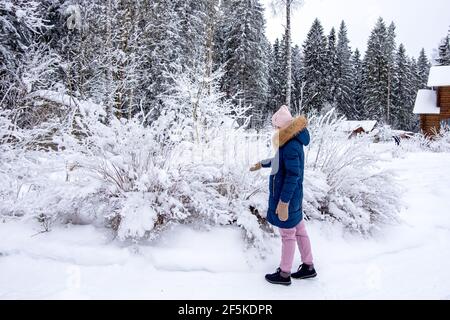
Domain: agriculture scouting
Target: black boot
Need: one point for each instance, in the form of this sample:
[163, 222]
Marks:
[279, 277]
[305, 272]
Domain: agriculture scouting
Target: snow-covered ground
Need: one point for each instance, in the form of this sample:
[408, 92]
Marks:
[407, 261]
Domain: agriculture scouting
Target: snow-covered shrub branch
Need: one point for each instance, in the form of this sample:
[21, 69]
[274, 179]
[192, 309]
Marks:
[8, 130]
[25, 62]
[440, 142]
[356, 193]
[197, 107]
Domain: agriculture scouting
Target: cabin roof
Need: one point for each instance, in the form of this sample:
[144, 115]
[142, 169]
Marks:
[439, 76]
[426, 103]
[350, 125]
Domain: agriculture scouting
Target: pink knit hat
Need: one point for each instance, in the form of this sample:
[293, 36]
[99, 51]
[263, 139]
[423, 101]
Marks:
[282, 118]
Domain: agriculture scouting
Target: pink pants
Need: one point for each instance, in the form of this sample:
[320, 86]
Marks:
[289, 237]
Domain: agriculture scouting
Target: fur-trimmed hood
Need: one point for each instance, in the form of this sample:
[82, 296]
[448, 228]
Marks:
[284, 135]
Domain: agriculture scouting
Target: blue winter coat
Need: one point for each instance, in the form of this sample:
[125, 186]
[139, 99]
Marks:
[286, 179]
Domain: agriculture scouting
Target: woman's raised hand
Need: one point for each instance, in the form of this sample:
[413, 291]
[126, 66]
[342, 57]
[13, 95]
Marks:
[256, 167]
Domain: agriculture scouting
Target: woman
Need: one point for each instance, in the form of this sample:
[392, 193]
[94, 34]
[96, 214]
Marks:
[286, 195]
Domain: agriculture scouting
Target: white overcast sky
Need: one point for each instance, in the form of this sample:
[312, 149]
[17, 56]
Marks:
[420, 23]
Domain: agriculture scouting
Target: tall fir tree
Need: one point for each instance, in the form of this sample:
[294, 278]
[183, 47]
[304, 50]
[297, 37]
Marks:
[283, 63]
[444, 52]
[315, 68]
[193, 20]
[377, 75]
[297, 79]
[332, 61]
[345, 76]
[246, 70]
[423, 69]
[287, 6]
[402, 90]
[219, 57]
[128, 50]
[277, 77]
[416, 83]
[163, 56]
[357, 96]
[389, 48]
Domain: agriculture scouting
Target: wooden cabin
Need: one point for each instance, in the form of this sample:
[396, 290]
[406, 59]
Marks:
[355, 128]
[433, 105]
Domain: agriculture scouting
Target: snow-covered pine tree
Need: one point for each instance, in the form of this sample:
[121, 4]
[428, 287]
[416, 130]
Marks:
[219, 36]
[246, 70]
[444, 52]
[198, 21]
[423, 69]
[402, 90]
[129, 61]
[390, 55]
[277, 78]
[163, 55]
[357, 93]
[297, 79]
[377, 73]
[315, 68]
[332, 68]
[287, 6]
[90, 54]
[345, 75]
[192, 25]
[416, 85]
[283, 62]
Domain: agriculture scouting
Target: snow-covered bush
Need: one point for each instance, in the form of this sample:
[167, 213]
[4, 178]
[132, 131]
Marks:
[38, 188]
[419, 142]
[159, 172]
[36, 183]
[154, 186]
[123, 175]
[441, 143]
[7, 131]
[343, 181]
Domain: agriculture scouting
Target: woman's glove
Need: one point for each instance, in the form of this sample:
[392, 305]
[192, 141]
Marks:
[256, 167]
[283, 211]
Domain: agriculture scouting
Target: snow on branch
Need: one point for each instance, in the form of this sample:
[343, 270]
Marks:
[74, 17]
[85, 107]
